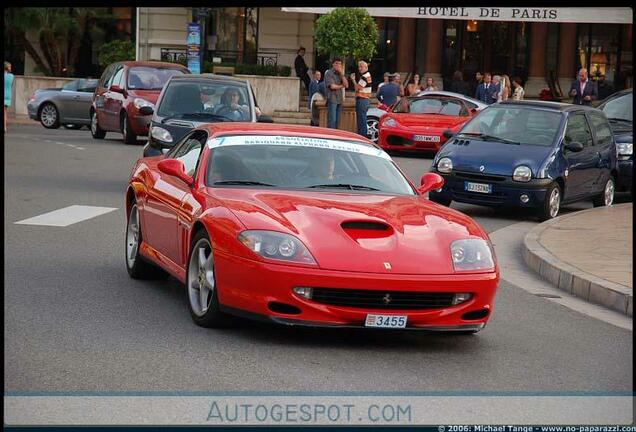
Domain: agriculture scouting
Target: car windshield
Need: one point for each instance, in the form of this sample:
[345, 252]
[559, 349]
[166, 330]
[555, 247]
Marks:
[150, 78]
[208, 100]
[507, 125]
[428, 105]
[293, 162]
[619, 108]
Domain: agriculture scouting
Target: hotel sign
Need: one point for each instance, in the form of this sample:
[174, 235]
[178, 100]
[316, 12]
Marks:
[608, 15]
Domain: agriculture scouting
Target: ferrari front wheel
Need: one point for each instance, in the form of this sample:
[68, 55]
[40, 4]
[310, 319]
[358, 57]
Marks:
[201, 284]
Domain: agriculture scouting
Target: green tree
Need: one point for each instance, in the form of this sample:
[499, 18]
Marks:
[347, 32]
[57, 32]
[117, 50]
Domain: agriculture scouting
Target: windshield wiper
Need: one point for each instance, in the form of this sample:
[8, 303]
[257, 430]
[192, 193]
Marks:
[343, 186]
[490, 137]
[242, 182]
[615, 119]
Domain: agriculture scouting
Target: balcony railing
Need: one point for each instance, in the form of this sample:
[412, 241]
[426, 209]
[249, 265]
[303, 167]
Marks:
[174, 55]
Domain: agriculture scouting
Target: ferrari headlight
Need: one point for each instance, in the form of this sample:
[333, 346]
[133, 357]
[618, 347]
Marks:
[389, 122]
[139, 102]
[522, 174]
[277, 246]
[471, 254]
[624, 150]
[160, 134]
[445, 165]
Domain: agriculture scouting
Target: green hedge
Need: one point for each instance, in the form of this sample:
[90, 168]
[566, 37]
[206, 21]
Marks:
[251, 69]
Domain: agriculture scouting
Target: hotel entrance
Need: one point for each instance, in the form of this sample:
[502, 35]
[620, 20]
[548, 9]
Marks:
[485, 46]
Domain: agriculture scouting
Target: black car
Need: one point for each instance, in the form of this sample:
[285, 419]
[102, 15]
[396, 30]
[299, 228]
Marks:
[188, 101]
[619, 110]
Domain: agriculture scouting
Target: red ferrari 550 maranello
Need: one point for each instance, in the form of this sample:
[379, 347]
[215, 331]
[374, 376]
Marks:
[305, 226]
[419, 122]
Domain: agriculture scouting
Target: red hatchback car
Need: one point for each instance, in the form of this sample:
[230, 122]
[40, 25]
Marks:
[125, 88]
[418, 123]
[305, 226]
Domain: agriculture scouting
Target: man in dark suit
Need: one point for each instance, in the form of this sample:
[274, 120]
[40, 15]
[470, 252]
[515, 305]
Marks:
[583, 91]
[301, 67]
[486, 90]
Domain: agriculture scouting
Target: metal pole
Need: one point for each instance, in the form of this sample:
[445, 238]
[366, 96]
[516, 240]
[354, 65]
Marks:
[137, 24]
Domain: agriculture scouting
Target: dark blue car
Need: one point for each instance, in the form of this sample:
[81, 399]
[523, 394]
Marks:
[530, 154]
[619, 111]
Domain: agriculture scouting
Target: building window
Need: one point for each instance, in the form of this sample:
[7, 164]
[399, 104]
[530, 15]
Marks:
[599, 51]
[232, 34]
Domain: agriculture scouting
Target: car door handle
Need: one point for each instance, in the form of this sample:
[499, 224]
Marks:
[76, 97]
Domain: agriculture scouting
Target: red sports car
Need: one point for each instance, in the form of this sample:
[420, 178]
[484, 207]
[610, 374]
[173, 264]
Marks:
[305, 226]
[419, 122]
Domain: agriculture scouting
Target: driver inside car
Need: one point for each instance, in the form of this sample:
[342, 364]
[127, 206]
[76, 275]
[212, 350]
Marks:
[231, 108]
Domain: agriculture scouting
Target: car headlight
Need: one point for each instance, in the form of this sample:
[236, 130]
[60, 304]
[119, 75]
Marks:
[389, 122]
[139, 102]
[471, 254]
[445, 165]
[624, 150]
[522, 174]
[160, 134]
[276, 246]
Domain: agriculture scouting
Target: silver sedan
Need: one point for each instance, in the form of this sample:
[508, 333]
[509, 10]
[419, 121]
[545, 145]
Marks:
[68, 106]
[375, 114]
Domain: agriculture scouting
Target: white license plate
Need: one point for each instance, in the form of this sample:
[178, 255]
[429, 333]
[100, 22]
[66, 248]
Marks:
[478, 187]
[426, 138]
[386, 321]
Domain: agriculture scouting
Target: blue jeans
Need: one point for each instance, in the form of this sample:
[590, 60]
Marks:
[333, 115]
[362, 106]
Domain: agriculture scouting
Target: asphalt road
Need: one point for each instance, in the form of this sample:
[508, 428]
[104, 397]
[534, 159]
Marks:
[75, 321]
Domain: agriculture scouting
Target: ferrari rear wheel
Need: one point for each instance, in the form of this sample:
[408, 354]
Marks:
[201, 284]
[137, 267]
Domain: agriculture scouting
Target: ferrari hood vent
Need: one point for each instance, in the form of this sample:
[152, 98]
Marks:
[365, 225]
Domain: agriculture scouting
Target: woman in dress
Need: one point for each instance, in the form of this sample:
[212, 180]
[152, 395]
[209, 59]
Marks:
[413, 87]
[430, 85]
[518, 89]
[505, 88]
[8, 83]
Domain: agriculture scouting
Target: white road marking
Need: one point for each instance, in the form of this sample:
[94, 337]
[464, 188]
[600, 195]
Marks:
[67, 216]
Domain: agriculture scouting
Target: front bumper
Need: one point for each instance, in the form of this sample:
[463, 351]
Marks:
[505, 191]
[246, 288]
[625, 174]
[402, 139]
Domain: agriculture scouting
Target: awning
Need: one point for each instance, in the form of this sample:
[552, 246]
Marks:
[618, 15]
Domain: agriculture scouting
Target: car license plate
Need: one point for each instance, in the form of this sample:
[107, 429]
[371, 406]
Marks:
[386, 321]
[478, 187]
[426, 138]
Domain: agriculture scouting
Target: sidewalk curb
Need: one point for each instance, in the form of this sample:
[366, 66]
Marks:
[571, 279]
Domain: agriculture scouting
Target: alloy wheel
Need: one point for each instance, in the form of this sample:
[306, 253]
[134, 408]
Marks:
[609, 192]
[372, 130]
[94, 123]
[132, 236]
[555, 202]
[201, 283]
[48, 115]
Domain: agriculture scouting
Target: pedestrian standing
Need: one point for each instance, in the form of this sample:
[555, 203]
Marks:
[413, 86]
[458, 85]
[583, 91]
[479, 80]
[335, 83]
[386, 80]
[313, 85]
[495, 94]
[8, 86]
[604, 88]
[398, 81]
[301, 67]
[505, 87]
[362, 85]
[518, 92]
[484, 91]
[389, 93]
[430, 85]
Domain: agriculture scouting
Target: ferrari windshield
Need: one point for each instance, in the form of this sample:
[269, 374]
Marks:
[431, 105]
[518, 125]
[292, 162]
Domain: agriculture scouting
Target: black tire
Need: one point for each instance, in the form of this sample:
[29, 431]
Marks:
[129, 136]
[49, 116]
[72, 126]
[137, 266]
[212, 317]
[442, 201]
[546, 211]
[602, 200]
[96, 131]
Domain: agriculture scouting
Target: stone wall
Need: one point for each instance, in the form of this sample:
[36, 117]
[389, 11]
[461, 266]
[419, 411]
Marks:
[24, 86]
[275, 93]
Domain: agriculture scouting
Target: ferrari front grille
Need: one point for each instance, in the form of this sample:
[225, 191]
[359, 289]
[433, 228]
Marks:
[380, 299]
